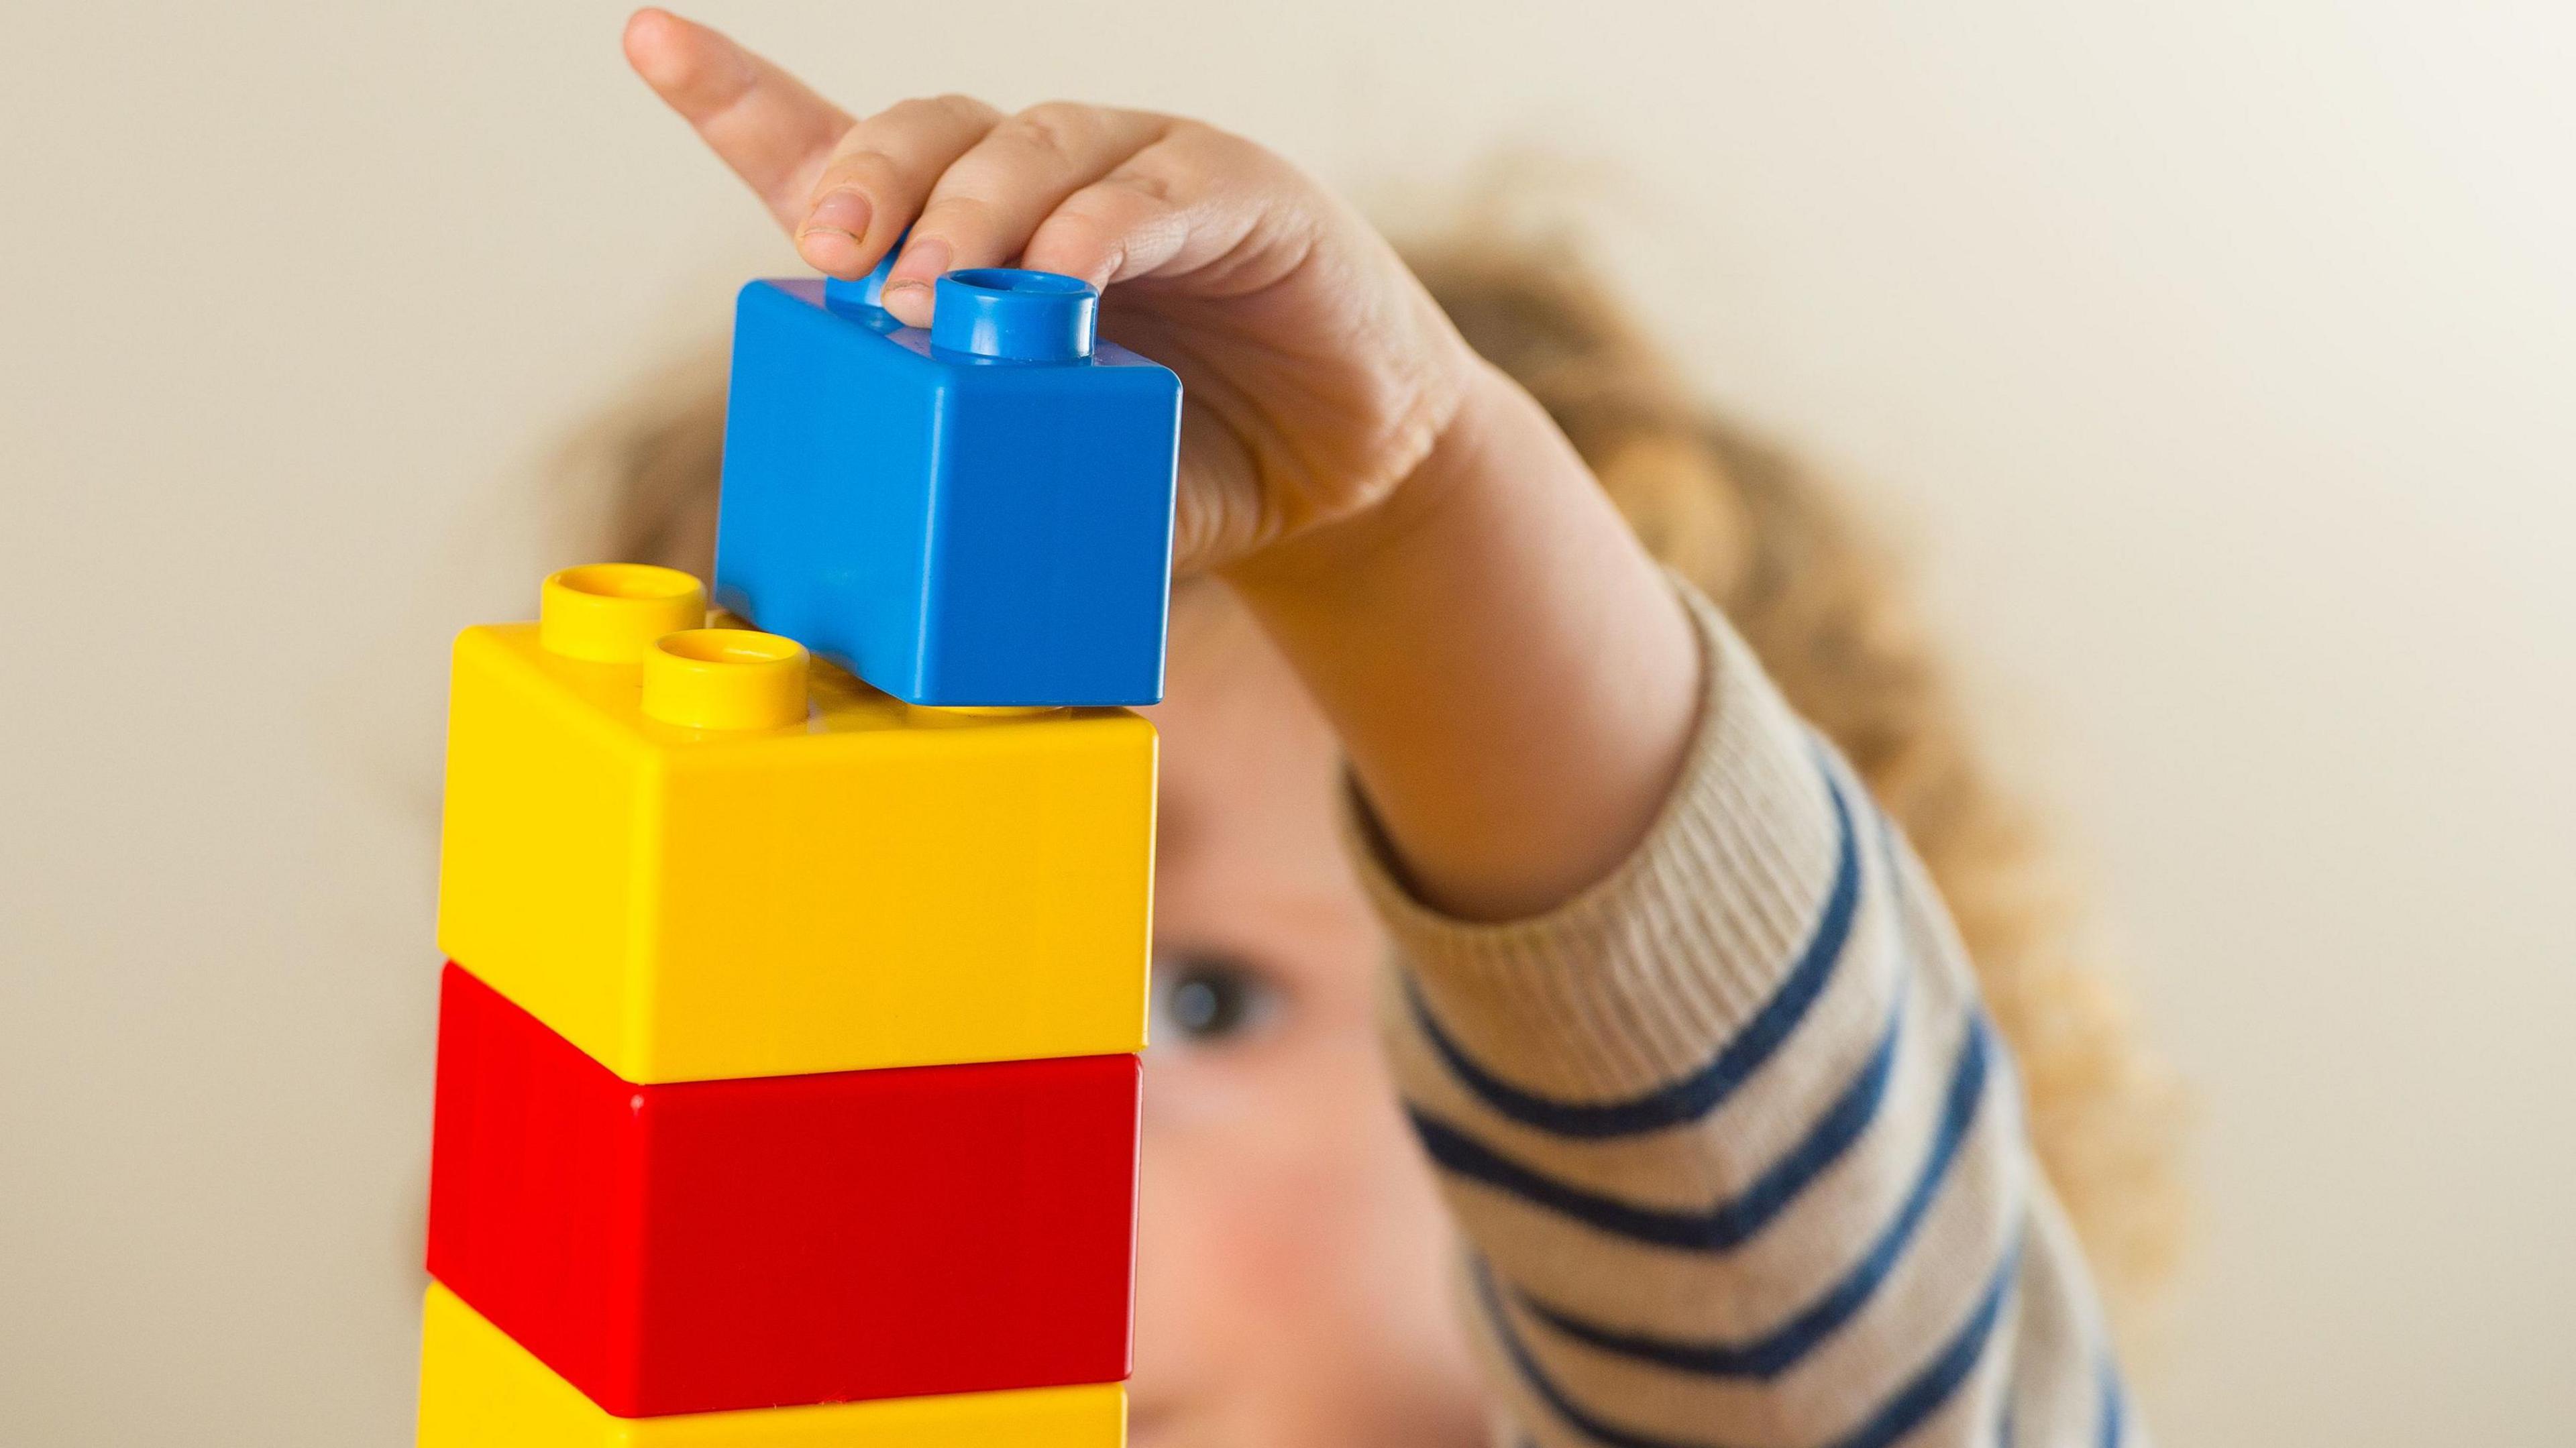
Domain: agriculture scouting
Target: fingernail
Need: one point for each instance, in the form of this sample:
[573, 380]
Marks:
[846, 212]
[922, 262]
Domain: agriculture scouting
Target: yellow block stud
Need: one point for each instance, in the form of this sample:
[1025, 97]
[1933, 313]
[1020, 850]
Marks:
[610, 613]
[478, 1389]
[716, 858]
[725, 678]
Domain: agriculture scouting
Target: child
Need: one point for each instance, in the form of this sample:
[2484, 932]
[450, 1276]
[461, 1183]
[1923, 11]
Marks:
[1726, 1150]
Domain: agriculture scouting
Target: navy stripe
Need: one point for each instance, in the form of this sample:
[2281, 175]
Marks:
[2115, 1408]
[1776, 1352]
[1729, 1223]
[1723, 1226]
[1941, 1377]
[1700, 1092]
[1917, 1399]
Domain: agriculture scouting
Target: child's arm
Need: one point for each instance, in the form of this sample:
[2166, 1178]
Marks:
[1737, 1158]
[1737, 1154]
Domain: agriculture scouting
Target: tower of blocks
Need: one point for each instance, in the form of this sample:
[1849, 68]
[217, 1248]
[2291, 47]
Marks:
[787, 1060]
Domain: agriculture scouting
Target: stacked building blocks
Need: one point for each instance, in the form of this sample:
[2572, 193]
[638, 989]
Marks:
[978, 514]
[870, 885]
[788, 1087]
[483, 1389]
[694, 1246]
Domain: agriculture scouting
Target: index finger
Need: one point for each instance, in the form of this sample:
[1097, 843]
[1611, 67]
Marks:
[762, 122]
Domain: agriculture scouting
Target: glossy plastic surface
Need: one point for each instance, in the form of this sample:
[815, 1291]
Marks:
[1020, 316]
[725, 678]
[478, 1389]
[612, 613]
[971, 517]
[871, 886]
[797, 1239]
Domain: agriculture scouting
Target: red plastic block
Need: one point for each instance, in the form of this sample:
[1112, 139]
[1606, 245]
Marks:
[711, 1245]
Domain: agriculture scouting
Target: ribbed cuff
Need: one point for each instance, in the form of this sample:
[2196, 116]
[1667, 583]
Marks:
[1623, 987]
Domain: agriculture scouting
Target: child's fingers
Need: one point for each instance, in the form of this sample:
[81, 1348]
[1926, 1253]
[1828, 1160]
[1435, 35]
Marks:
[757, 118]
[878, 177]
[984, 208]
[1122, 225]
[1187, 202]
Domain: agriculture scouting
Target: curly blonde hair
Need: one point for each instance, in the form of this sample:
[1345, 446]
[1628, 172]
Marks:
[1822, 605]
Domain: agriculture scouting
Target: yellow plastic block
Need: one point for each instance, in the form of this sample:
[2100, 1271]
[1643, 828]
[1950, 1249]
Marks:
[478, 1389]
[866, 884]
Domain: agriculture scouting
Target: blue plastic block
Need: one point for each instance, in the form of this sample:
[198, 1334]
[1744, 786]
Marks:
[976, 514]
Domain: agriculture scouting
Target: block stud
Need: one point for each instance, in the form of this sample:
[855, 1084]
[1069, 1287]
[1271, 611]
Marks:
[610, 613]
[725, 678]
[868, 291]
[1019, 316]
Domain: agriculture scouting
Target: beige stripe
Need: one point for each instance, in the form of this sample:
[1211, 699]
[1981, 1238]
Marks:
[1844, 1378]
[1751, 1291]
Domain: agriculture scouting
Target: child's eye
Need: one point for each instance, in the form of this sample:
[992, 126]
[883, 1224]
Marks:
[1207, 1001]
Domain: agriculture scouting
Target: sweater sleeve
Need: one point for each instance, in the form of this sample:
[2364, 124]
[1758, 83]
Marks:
[1738, 1160]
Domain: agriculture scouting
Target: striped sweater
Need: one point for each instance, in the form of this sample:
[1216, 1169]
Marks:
[1737, 1156]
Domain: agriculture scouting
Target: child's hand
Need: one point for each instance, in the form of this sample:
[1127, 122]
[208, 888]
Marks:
[1509, 674]
[1316, 372]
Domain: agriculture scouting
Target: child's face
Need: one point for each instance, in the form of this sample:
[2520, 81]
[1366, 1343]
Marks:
[1292, 1277]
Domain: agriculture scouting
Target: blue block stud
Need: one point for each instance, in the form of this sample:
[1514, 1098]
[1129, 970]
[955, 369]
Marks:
[977, 514]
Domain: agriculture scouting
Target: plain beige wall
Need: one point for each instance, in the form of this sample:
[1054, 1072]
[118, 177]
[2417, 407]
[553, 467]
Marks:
[2217, 354]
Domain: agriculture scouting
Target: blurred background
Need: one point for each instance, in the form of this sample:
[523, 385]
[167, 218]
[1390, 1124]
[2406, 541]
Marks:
[2214, 358]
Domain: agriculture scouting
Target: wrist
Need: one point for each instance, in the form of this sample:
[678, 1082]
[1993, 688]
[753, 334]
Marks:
[1512, 680]
[1422, 515]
